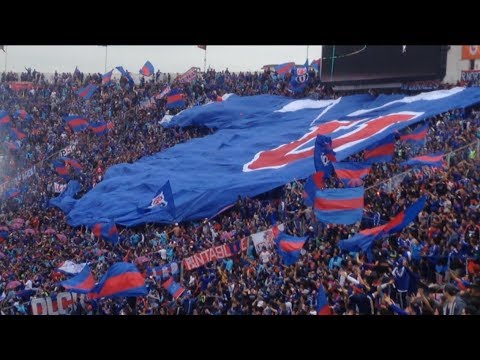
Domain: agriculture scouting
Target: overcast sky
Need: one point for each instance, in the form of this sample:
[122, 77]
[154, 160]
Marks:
[165, 58]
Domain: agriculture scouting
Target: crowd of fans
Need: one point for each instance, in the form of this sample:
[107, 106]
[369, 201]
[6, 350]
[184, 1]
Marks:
[440, 250]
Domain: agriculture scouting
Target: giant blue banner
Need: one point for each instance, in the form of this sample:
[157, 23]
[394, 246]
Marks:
[261, 142]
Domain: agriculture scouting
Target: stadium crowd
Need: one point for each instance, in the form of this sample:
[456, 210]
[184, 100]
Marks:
[431, 267]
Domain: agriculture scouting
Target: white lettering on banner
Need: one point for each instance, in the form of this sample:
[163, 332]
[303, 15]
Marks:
[58, 306]
[264, 238]
[215, 253]
[68, 150]
[189, 75]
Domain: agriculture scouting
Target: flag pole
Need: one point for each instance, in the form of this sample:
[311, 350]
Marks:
[106, 47]
[333, 60]
[307, 50]
[6, 55]
[205, 61]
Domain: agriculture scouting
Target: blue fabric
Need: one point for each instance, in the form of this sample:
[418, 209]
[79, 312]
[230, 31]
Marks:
[209, 173]
[65, 200]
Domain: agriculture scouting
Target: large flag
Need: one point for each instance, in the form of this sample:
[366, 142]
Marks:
[99, 128]
[405, 217]
[87, 91]
[22, 114]
[175, 99]
[289, 247]
[351, 173]
[322, 302]
[417, 136]
[71, 268]
[126, 74]
[434, 160]
[381, 151]
[122, 279]
[107, 231]
[324, 155]
[63, 164]
[76, 122]
[260, 143]
[164, 271]
[285, 68]
[147, 69]
[339, 206]
[173, 288]
[65, 201]
[5, 118]
[11, 193]
[314, 183]
[82, 283]
[362, 240]
[16, 134]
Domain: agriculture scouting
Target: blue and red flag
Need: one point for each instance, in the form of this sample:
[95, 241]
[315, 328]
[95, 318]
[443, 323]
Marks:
[175, 99]
[418, 136]
[433, 160]
[362, 240]
[122, 279]
[76, 122]
[147, 69]
[11, 145]
[380, 151]
[81, 283]
[126, 74]
[285, 68]
[62, 165]
[164, 271]
[351, 173]
[107, 77]
[4, 118]
[11, 193]
[324, 155]
[289, 247]
[339, 206]
[316, 64]
[22, 114]
[16, 134]
[322, 302]
[99, 128]
[405, 217]
[173, 288]
[87, 91]
[107, 231]
[314, 183]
